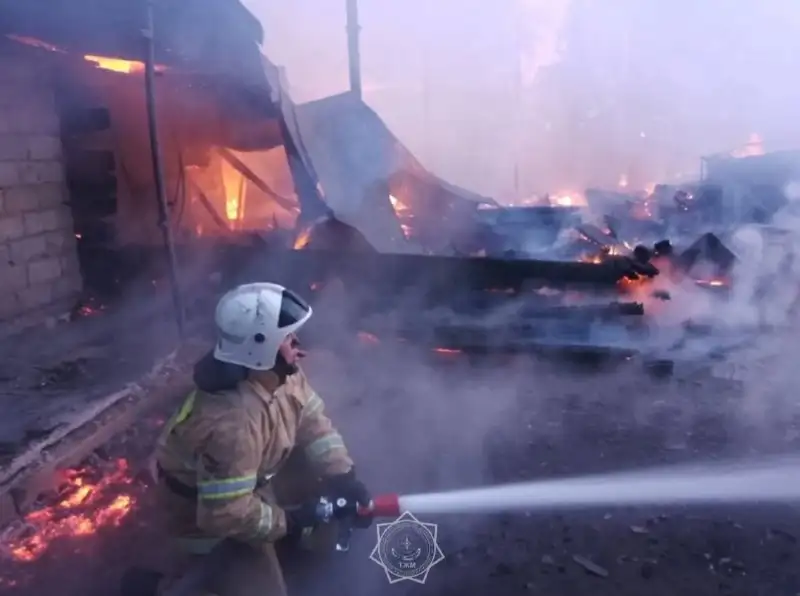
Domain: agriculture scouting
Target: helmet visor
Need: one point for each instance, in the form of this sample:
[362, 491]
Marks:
[293, 309]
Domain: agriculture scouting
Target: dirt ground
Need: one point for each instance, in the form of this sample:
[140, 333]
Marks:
[421, 422]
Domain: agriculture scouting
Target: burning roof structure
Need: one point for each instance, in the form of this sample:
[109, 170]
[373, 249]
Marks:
[222, 39]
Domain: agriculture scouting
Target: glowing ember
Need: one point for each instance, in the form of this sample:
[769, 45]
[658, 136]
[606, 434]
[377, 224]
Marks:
[626, 284]
[86, 507]
[88, 310]
[642, 209]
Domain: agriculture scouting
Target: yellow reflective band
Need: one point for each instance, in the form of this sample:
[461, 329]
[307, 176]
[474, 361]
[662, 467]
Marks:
[182, 414]
[314, 405]
[227, 488]
[186, 408]
[319, 448]
[265, 522]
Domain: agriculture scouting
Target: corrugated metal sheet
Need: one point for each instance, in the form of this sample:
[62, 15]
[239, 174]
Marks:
[355, 158]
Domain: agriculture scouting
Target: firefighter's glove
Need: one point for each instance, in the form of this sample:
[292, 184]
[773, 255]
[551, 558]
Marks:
[349, 487]
[301, 519]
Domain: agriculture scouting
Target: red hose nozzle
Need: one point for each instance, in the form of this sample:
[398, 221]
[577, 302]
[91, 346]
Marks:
[383, 506]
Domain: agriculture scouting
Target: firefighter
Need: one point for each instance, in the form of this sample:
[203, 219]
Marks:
[221, 455]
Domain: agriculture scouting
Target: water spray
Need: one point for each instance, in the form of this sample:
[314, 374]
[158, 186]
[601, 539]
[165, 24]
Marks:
[773, 480]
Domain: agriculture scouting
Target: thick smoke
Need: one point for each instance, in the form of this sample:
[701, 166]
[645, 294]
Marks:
[591, 91]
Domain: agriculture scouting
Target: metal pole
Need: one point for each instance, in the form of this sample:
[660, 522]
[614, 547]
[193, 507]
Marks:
[158, 172]
[353, 53]
[517, 109]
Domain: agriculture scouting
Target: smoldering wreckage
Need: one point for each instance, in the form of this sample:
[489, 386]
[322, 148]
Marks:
[322, 197]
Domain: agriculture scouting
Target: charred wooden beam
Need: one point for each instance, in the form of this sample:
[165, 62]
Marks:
[552, 327]
[285, 202]
[590, 311]
[596, 236]
[400, 273]
[522, 308]
[529, 335]
[209, 207]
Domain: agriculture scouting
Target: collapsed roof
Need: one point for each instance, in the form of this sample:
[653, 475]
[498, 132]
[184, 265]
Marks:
[360, 164]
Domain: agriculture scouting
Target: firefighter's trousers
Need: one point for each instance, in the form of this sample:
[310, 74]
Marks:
[236, 569]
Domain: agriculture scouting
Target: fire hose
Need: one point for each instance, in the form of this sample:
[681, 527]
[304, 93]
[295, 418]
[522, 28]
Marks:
[768, 480]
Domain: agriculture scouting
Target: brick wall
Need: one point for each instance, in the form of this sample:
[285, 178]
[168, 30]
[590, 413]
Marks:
[39, 273]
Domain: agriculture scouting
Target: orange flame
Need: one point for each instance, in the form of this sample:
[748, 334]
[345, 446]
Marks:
[303, 238]
[403, 213]
[567, 199]
[104, 62]
[234, 185]
[86, 508]
[120, 65]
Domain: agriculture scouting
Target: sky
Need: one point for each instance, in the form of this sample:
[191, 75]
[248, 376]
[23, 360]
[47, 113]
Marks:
[512, 98]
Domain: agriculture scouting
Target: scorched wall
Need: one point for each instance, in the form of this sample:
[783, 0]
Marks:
[39, 271]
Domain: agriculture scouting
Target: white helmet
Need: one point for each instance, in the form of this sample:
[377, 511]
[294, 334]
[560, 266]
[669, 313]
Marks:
[253, 320]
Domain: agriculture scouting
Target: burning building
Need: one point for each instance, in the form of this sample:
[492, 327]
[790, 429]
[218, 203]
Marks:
[79, 209]
[75, 169]
[239, 160]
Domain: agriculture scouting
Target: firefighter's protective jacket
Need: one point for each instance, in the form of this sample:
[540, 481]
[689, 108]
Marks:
[229, 443]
